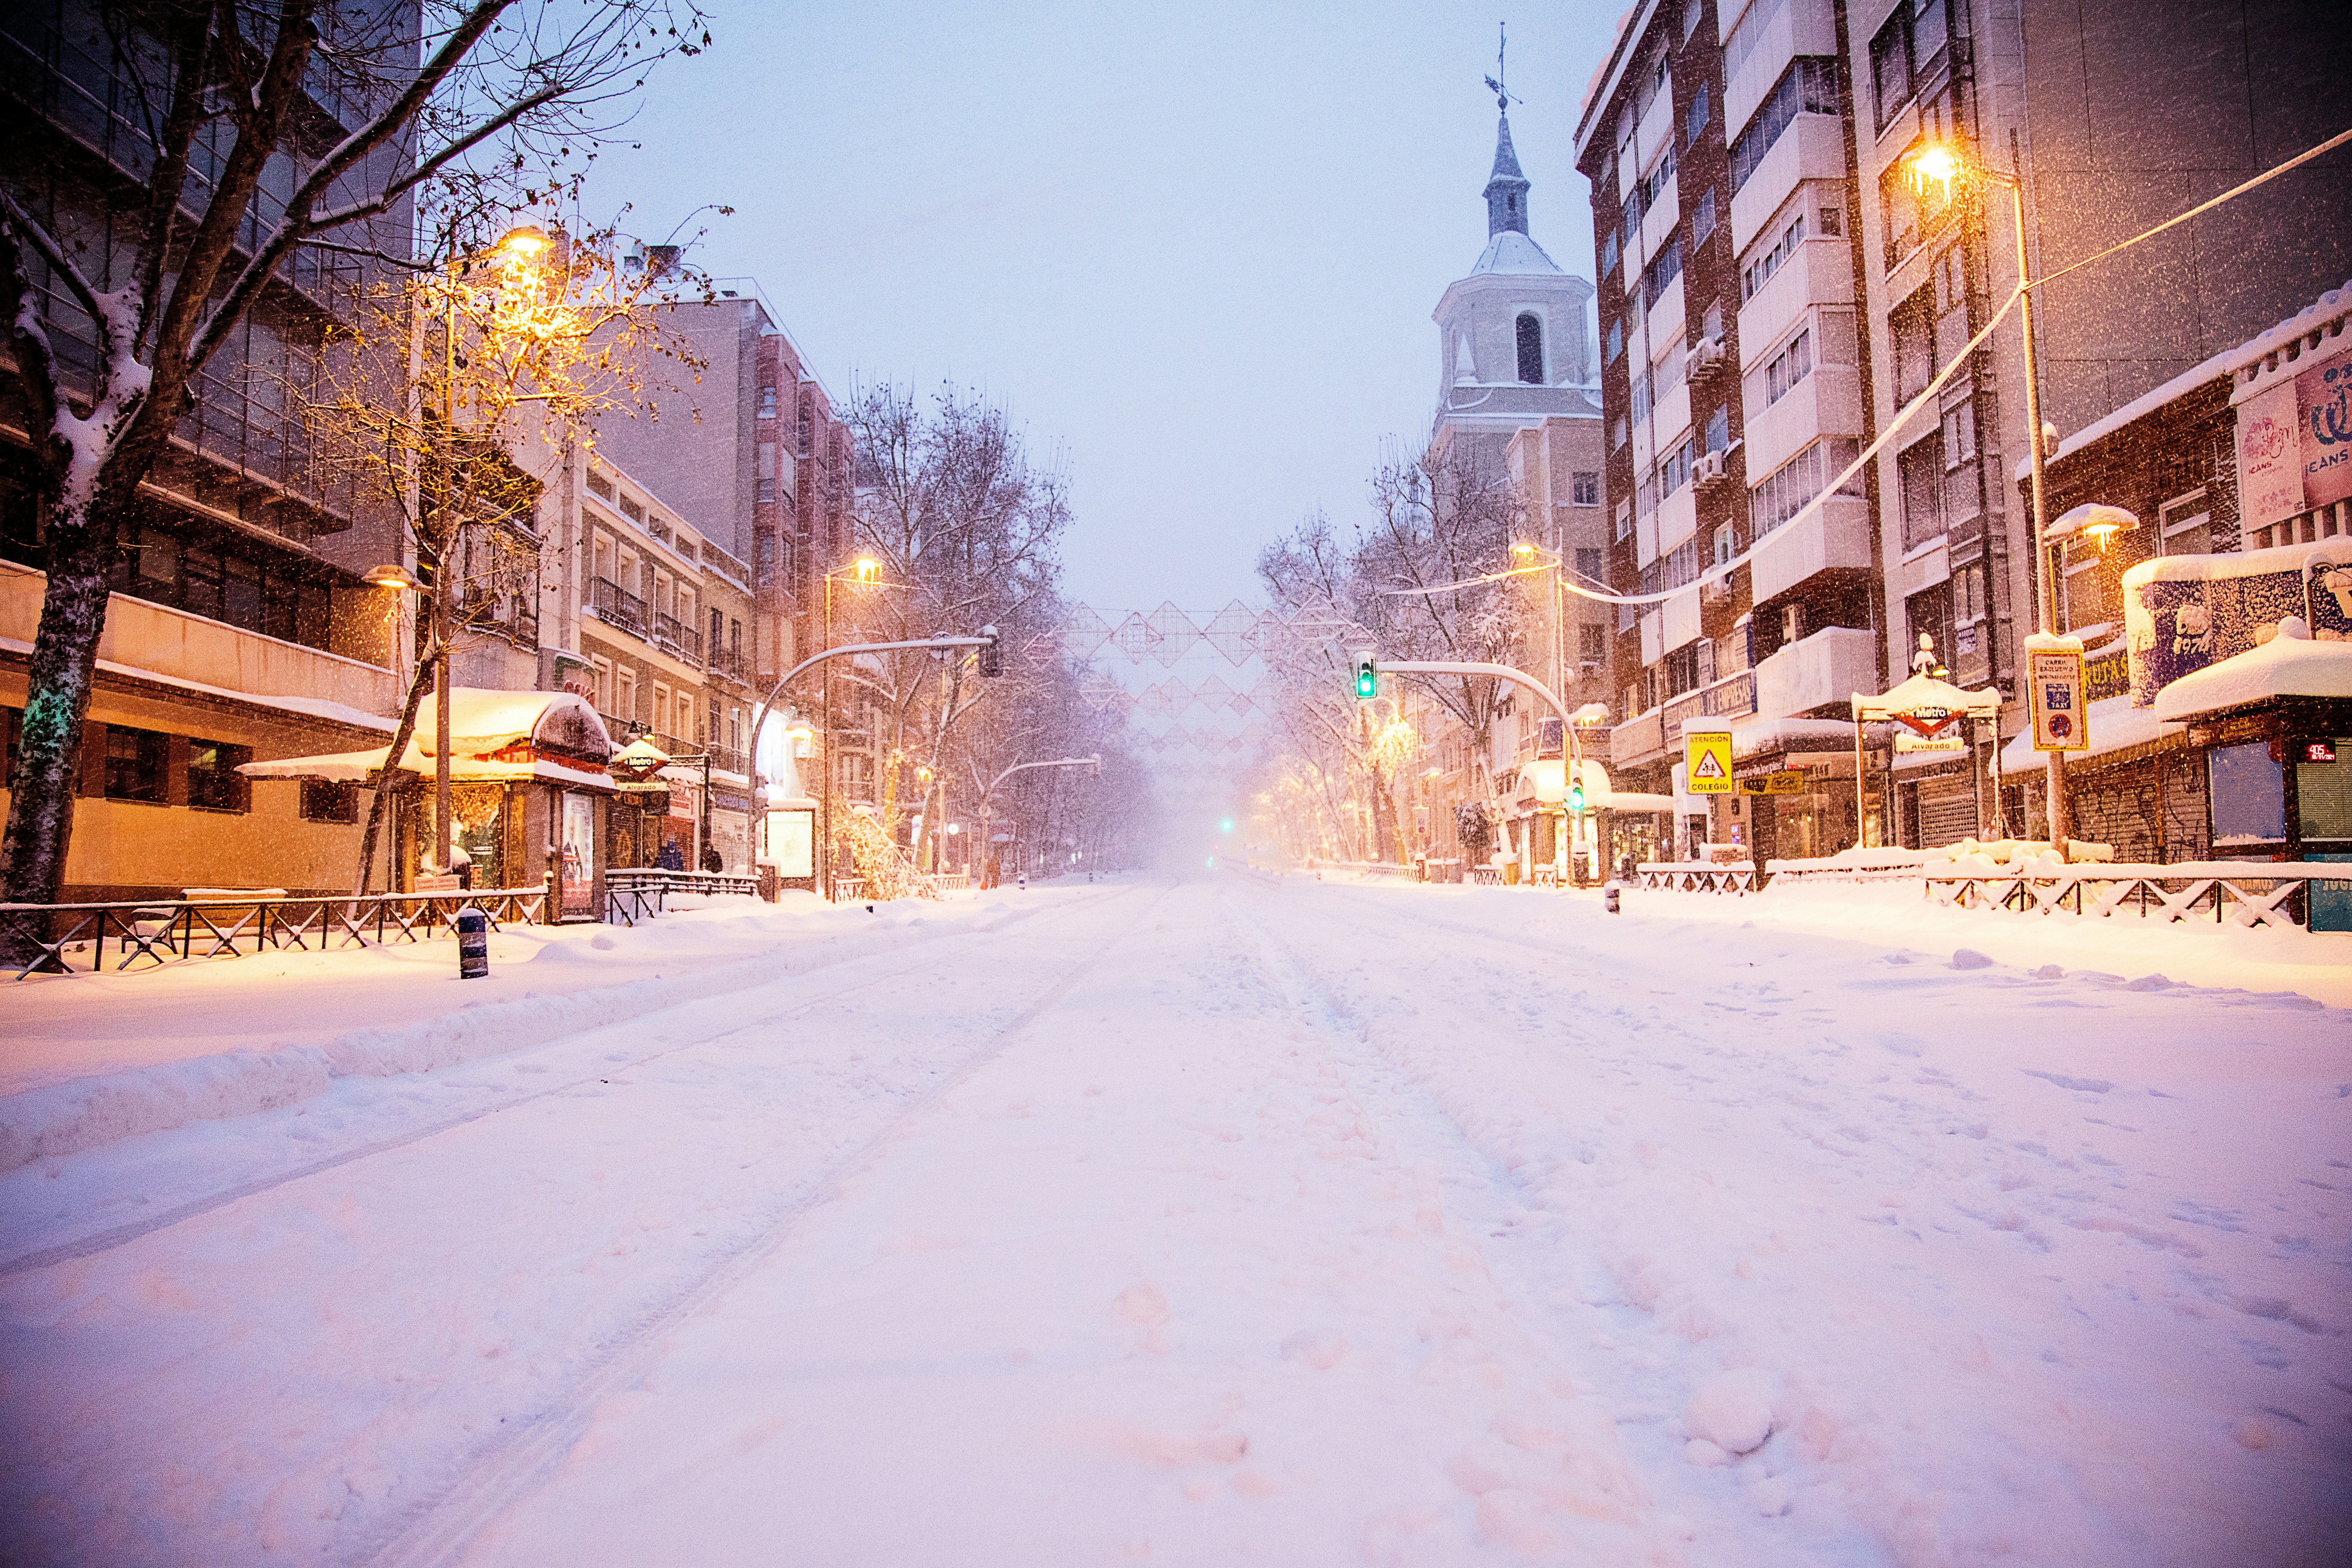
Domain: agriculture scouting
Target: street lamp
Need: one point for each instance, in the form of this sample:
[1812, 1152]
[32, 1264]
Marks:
[866, 572]
[1946, 167]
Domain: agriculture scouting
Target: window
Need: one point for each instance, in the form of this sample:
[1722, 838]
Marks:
[1609, 250]
[1625, 518]
[1530, 345]
[1788, 488]
[1681, 670]
[1788, 367]
[767, 403]
[1912, 325]
[1723, 545]
[1584, 489]
[1616, 432]
[1702, 221]
[767, 491]
[1718, 430]
[1808, 87]
[214, 783]
[717, 626]
[1664, 267]
[1748, 34]
[1675, 470]
[325, 802]
[1647, 189]
[634, 510]
[2249, 794]
[763, 548]
[1920, 470]
[1592, 644]
[1759, 272]
[134, 764]
[1960, 435]
[1616, 340]
[1694, 120]
[599, 486]
[1691, 15]
[1832, 221]
[2186, 524]
[1890, 65]
[1588, 564]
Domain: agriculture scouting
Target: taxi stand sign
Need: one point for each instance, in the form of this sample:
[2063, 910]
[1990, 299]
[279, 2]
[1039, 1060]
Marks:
[2054, 689]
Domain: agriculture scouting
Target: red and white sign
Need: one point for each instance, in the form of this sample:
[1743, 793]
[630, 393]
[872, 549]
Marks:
[2295, 445]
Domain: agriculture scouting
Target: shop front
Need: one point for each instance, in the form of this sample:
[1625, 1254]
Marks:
[530, 792]
[1794, 798]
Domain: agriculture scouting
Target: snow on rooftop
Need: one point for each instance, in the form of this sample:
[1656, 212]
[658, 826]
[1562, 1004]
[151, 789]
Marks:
[1790, 735]
[2292, 664]
[1511, 251]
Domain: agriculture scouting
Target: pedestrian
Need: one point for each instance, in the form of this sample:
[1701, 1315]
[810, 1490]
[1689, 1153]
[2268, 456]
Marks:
[671, 858]
[711, 860]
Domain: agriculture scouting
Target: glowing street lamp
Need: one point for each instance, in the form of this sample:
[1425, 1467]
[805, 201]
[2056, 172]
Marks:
[1948, 167]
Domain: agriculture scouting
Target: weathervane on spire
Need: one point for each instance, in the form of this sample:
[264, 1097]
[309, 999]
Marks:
[1503, 99]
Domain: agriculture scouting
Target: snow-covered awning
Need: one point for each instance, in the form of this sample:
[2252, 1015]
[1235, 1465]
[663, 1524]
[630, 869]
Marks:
[1600, 794]
[1927, 704]
[1767, 736]
[554, 737]
[2292, 664]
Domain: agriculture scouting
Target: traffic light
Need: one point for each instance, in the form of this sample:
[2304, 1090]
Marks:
[991, 653]
[1368, 681]
[1576, 798]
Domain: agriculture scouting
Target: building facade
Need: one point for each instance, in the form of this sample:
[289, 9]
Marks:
[1755, 165]
[241, 626]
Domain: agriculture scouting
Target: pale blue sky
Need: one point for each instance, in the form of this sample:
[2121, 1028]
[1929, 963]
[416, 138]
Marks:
[1196, 247]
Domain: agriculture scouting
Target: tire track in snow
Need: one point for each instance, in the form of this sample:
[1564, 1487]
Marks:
[444, 1525]
[123, 1234]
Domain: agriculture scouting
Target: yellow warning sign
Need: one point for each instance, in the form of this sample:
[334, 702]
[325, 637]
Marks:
[1708, 758]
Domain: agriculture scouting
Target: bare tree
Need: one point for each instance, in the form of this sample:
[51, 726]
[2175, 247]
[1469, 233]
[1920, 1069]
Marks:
[966, 528]
[520, 350]
[235, 176]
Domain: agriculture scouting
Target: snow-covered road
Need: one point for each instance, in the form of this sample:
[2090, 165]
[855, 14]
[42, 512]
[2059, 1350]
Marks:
[1238, 1222]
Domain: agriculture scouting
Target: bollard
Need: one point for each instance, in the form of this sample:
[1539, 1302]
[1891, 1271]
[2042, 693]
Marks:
[1610, 895]
[473, 943]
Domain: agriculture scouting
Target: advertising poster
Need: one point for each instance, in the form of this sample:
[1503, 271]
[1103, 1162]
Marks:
[792, 843]
[579, 856]
[2056, 678]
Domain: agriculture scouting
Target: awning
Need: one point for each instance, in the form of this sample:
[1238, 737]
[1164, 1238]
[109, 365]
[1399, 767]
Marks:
[554, 737]
[2291, 664]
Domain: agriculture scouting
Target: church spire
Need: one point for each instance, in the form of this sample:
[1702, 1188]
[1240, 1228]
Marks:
[1506, 187]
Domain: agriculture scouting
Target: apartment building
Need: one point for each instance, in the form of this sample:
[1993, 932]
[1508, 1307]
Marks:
[1852, 286]
[240, 628]
[756, 449]
[651, 621]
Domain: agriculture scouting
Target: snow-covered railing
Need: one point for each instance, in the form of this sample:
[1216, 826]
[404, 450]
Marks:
[82, 938]
[653, 877]
[2243, 893]
[949, 881]
[1698, 876]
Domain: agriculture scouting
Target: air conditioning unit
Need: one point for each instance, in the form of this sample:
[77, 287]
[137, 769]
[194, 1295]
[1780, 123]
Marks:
[1708, 467]
[1705, 358]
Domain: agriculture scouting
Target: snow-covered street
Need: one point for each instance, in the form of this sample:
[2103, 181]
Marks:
[1242, 1221]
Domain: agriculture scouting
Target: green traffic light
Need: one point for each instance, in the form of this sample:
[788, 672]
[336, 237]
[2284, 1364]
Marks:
[1227, 825]
[1368, 681]
[1576, 798]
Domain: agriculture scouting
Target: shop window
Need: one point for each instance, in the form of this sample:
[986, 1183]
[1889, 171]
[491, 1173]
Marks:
[134, 764]
[2249, 794]
[2323, 789]
[214, 783]
[326, 801]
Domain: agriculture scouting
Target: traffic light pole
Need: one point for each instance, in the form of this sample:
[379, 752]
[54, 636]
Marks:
[988, 795]
[986, 641]
[1499, 672]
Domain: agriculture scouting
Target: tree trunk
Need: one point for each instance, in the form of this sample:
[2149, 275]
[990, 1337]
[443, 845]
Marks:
[386, 785]
[58, 687]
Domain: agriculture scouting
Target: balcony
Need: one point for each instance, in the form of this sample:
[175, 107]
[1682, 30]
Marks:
[1812, 148]
[674, 636]
[1657, 127]
[1824, 669]
[732, 663]
[1801, 27]
[616, 606]
[1826, 403]
[1659, 219]
[1638, 740]
[1677, 518]
[1679, 625]
[1833, 536]
[1820, 273]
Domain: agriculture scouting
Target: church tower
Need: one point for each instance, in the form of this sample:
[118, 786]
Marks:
[1513, 348]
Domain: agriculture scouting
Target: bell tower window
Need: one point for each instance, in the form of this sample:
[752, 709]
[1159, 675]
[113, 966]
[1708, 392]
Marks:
[1531, 358]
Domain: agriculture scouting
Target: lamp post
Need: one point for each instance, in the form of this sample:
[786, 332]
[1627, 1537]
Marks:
[519, 249]
[864, 569]
[1937, 163]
